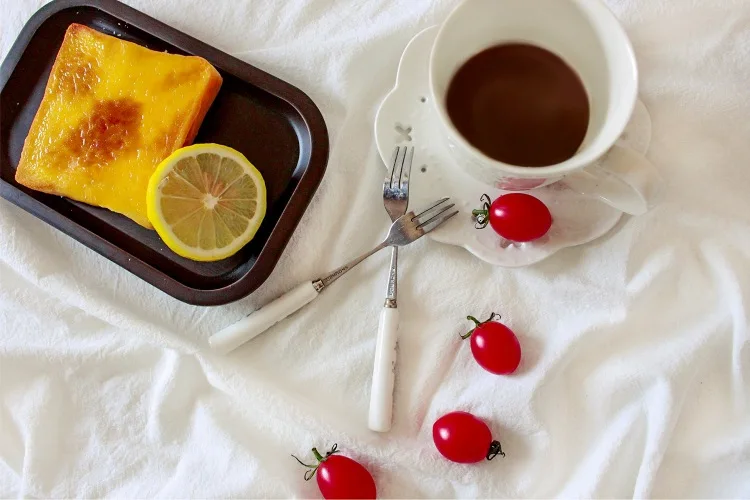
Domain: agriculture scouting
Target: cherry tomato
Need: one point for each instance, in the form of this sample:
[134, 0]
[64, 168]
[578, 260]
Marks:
[340, 476]
[494, 346]
[517, 217]
[461, 437]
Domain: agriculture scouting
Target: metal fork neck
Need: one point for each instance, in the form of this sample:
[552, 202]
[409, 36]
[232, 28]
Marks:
[390, 298]
[324, 281]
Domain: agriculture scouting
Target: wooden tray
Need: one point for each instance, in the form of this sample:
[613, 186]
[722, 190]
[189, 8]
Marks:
[274, 124]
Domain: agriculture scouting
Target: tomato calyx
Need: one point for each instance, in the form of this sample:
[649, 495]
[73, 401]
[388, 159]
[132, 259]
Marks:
[481, 216]
[309, 474]
[495, 450]
[478, 323]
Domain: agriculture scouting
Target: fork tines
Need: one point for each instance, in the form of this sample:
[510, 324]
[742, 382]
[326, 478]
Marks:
[398, 174]
[430, 217]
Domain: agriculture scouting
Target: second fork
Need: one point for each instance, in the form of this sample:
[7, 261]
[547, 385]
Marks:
[396, 201]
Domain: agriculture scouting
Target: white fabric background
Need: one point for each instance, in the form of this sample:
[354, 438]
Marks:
[636, 373]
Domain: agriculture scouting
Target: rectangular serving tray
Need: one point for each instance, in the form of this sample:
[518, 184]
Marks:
[274, 124]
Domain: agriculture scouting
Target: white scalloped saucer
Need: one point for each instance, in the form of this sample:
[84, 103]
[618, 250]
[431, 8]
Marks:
[406, 117]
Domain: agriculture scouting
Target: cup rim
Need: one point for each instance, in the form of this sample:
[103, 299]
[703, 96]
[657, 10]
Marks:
[581, 158]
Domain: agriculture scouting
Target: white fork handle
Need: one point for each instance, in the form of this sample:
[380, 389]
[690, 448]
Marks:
[383, 374]
[262, 319]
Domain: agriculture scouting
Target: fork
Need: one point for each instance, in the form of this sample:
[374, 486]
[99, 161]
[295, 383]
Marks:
[396, 201]
[406, 229]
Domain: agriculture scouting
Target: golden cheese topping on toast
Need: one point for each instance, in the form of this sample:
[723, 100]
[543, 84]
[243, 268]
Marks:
[112, 110]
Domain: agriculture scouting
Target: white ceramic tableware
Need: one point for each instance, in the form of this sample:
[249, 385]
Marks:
[589, 38]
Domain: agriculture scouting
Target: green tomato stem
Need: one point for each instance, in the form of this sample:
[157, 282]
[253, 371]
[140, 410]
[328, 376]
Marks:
[476, 324]
[482, 215]
[312, 469]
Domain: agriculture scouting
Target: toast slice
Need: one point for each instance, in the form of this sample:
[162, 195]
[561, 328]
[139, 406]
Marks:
[111, 111]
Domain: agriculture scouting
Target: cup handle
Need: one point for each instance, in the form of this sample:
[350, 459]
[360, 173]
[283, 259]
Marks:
[623, 179]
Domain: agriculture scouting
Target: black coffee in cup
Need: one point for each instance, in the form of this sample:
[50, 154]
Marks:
[519, 104]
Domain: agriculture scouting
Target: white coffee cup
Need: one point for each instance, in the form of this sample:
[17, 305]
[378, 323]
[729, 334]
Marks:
[589, 38]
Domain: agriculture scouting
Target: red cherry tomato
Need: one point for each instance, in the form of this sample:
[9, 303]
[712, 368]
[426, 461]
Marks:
[494, 346]
[461, 437]
[340, 477]
[516, 216]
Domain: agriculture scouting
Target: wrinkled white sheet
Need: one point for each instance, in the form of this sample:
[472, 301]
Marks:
[636, 372]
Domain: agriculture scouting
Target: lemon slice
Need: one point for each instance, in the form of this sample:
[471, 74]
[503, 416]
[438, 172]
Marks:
[206, 201]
